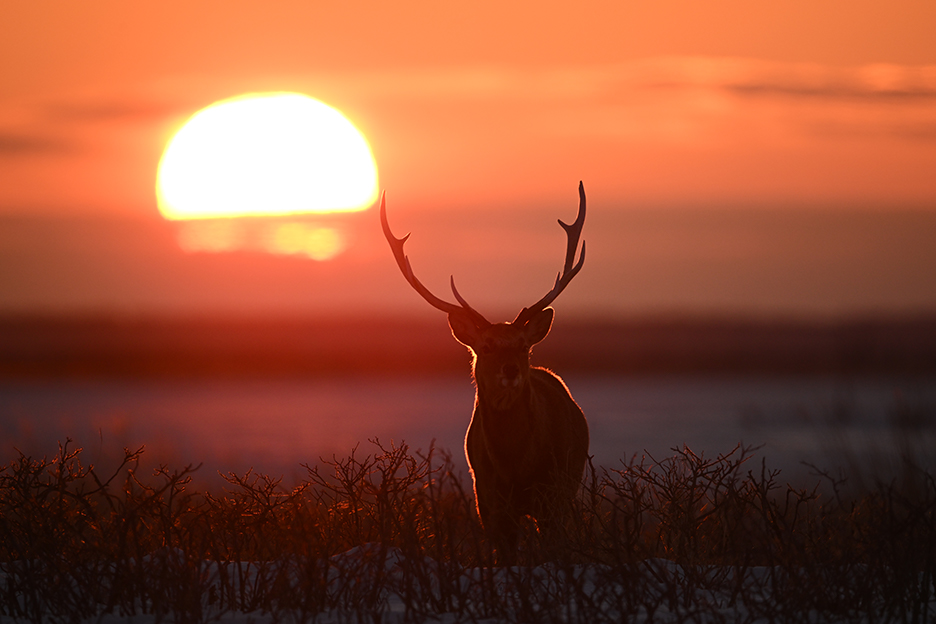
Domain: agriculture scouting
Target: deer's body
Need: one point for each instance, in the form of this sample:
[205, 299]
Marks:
[527, 459]
[527, 443]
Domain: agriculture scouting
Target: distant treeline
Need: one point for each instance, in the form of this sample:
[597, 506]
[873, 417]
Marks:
[113, 346]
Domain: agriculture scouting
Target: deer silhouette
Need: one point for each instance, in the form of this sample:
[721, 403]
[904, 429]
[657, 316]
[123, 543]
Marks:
[527, 443]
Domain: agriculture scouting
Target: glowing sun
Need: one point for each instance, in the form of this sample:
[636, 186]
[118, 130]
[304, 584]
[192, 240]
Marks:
[265, 154]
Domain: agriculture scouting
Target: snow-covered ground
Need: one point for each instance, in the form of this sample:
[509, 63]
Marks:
[372, 583]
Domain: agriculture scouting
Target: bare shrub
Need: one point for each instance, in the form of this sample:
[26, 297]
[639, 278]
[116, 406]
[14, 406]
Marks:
[683, 538]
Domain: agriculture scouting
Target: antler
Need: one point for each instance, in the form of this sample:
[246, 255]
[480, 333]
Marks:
[573, 233]
[396, 244]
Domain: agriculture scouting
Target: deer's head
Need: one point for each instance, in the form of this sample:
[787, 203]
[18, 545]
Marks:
[502, 350]
[501, 354]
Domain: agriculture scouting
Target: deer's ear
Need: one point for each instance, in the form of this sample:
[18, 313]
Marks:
[538, 326]
[463, 329]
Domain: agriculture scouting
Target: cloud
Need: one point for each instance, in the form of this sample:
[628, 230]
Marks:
[745, 76]
[877, 81]
[740, 76]
[14, 145]
[108, 110]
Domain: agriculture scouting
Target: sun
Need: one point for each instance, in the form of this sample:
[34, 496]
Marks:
[265, 154]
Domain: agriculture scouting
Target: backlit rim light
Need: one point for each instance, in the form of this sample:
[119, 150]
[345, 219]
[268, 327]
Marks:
[265, 154]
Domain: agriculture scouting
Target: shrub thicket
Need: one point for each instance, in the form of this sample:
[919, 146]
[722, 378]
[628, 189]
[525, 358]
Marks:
[688, 537]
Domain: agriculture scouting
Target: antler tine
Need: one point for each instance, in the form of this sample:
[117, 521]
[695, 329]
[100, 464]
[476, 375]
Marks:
[570, 267]
[474, 313]
[396, 245]
[574, 231]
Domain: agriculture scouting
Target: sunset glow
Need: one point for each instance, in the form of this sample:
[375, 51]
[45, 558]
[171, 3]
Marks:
[265, 155]
[290, 238]
[318, 243]
[741, 158]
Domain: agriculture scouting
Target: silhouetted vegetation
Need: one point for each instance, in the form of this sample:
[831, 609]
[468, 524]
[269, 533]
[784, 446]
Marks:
[393, 535]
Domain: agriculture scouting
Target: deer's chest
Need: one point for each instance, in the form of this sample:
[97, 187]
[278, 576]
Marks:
[508, 442]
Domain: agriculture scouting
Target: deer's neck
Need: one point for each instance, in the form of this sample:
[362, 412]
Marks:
[508, 413]
[512, 435]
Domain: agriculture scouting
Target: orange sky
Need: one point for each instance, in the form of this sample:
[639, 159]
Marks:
[739, 156]
[665, 103]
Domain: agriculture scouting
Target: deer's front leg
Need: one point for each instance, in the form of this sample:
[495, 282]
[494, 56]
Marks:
[499, 518]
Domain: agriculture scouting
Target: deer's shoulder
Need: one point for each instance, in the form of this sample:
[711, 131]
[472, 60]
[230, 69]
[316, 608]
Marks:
[545, 379]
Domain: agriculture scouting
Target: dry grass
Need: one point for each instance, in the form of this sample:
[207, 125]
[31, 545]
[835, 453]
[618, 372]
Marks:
[688, 536]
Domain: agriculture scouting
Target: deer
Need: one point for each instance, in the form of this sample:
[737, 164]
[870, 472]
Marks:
[527, 442]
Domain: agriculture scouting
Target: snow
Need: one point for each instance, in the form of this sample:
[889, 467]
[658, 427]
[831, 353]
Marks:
[374, 583]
